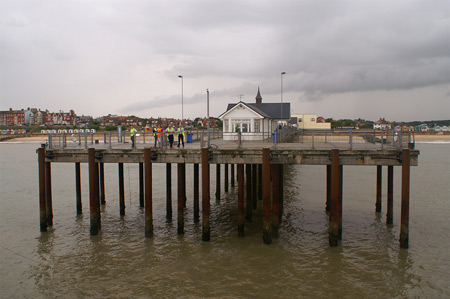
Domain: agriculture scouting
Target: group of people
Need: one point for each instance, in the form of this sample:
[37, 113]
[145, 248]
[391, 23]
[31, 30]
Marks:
[158, 134]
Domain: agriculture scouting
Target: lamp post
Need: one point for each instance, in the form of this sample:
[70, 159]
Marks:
[281, 113]
[207, 115]
[182, 108]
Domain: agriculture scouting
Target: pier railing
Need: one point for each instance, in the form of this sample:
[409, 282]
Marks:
[290, 137]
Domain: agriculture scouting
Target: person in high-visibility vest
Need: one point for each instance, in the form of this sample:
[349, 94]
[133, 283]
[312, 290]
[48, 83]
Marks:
[169, 131]
[132, 134]
[155, 135]
[159, 135]
[180, 135]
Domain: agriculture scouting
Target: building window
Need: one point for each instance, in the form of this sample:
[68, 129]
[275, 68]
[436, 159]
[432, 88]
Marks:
[300, 120]
[225, 125]
[313, 119]
[257, 126]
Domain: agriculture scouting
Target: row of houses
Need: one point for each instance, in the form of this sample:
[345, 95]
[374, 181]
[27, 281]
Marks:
[34, 116]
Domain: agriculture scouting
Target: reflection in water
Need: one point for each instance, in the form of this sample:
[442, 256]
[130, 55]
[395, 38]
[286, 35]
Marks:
[121, 263]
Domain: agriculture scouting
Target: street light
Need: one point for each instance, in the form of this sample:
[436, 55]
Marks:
[182, 108]
[281, 113]
[207, 115]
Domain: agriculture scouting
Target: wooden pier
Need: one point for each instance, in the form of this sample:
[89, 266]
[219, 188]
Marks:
[259, 170]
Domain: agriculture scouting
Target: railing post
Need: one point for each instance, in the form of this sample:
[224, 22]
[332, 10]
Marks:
[312, 135]
[350, 138]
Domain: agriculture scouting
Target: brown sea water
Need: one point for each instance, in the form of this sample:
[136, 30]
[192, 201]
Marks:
[67, 262]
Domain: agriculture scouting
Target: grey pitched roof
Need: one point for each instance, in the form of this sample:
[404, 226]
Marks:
[269, 110]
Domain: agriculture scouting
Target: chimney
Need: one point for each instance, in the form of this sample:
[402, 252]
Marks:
[258, 98]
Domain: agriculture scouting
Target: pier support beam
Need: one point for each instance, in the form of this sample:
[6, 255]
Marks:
[404, 226]
[217, 181]
[148, 200]
[275, 199]
[78, 187]
[168, 191]
[42, 198]
[254, 186]
[196, 194]
[327, 208]
[248, 200]
[102, 183]
[281, 172]
[226, 178]
[94, 200]
[241, 208]
[206, 232]
[180, 214]
[141, 185]
[121, 191]
[267, 225]
[48, 193]
[260, 188]
[232, 175]
[341, 186]
[379, 183]
[333, 233]
[390, 196]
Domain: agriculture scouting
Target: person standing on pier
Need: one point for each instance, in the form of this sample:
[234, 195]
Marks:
[155, 135]
[132, 134]
[180, 135]
[170, 130]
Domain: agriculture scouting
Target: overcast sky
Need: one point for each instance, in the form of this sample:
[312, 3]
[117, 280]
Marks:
[343, 59]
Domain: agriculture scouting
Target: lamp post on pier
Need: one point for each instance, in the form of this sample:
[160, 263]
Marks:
[182, 91]
[281, 113]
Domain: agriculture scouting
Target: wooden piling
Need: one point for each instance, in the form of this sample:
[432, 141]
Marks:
[327, 207]
[184, 185]
[341, 186]
[404, 225]
[226, 178]
[148, 197]
[42, 198]
[275, 199]
[196, 194]
[121, 190]
[390, 196]
[232, 175]
[94, 201]
[260, 187]
[241, 208]
[248, 198]
[217, 181]
[334, 202]
[206, 232]
[281, 175]
[168, 191]
[78, 187]
[267, 226]
[102, 183]
[141, 185]
[254, 186]
[379, 183]
[180, 193]
[48, 193]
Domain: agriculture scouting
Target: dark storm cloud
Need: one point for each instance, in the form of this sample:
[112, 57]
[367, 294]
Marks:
[100, 52]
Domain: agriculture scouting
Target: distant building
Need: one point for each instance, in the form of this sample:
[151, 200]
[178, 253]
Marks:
[255, 121]
[61, 118]
[15, 117]
[382, 124]
[311, 122]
